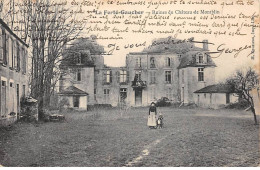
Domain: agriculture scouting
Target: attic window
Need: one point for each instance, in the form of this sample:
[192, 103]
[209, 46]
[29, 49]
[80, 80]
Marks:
[168, 61]
[80, 59]
[200, 57]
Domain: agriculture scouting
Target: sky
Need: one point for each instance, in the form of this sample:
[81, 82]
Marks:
[227, 63]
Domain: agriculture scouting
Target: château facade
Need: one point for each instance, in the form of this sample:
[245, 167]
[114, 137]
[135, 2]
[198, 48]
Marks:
[146, 77]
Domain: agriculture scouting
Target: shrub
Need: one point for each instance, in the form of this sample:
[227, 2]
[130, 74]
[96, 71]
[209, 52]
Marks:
[162, 102]
[238, 105]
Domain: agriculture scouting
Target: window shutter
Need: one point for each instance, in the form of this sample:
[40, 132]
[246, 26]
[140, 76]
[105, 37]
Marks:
[111, 76]
[154, 77]
[18, 58]
[1, 46]
[25, 60]
[7, 48]
[118, 76]
[151, 74]
[165, 61]
[127, 76]
[104, 76]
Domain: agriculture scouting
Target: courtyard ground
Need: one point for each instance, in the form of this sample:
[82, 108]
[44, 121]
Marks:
[110, 137]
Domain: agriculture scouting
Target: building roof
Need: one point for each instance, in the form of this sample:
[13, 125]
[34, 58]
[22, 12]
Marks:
[72, 90]
[217, 88]
[11, 32]
[189, 60]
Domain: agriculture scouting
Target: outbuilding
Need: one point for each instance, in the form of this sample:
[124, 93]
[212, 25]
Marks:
[215, 96]
[72, 97]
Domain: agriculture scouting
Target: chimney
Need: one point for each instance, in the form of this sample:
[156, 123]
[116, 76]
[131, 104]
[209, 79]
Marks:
[205, 45]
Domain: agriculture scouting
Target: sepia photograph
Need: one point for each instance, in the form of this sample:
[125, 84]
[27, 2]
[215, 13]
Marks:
[129, 83]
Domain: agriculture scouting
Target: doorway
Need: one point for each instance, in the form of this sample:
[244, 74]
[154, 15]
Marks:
[138, 97]
[123, 95]
[3, 98]
[76, 101]
[227, 98]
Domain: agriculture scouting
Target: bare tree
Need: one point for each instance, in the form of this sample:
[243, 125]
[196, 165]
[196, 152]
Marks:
[243, 82]
[46, 27]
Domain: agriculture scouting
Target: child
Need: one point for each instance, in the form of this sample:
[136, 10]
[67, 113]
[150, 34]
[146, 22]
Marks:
[160, 121]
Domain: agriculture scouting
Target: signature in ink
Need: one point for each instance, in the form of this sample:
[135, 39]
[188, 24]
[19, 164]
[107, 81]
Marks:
[221, 49]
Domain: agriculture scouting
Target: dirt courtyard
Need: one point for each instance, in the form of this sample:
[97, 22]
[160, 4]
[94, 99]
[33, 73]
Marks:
[110, 137]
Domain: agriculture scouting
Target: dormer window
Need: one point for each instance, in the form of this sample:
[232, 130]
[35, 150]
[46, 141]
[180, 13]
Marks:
[200, 58]
[168, 61]
[80, 59]
[152, 62]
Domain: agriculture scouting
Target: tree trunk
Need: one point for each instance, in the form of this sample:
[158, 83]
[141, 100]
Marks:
[253, 111]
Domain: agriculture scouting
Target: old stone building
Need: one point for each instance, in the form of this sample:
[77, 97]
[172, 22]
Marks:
[147, 76]
[13, 73]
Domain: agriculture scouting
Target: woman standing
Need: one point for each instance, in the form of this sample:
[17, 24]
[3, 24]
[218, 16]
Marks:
[152, 116]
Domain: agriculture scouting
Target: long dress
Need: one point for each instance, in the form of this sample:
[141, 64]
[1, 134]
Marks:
[152, 117]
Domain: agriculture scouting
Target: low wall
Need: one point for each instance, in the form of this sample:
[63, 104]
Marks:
[7, 120]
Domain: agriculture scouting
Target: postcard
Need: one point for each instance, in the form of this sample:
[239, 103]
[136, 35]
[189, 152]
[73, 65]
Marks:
[129, 83]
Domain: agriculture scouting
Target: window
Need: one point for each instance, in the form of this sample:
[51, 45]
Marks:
[4, 44]
[199, 58]
[123, 76]
[152, 94]
[75, 101]
[79, 58]
[138, 62]
[3, 83]
[168, 61]
[24, 61]
[200, 74]
[169, 93]
[152, 62]
[138, 75]
[168, 76]
[11, 59]
[14, 53]
[6, 48]
[106, 95]
[108, 76]
[152, 77]
[18, 58]
[78, 76]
